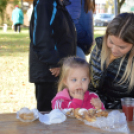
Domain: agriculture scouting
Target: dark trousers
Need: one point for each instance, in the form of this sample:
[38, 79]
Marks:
[45, 92]
[17, 27]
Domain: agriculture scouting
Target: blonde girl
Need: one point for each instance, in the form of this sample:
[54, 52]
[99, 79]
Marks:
[73, 86]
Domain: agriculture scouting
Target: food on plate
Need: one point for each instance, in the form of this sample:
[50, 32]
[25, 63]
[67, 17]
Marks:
[70, 112]
[79, 117]
[104, 113]
[83, 111]
[90, 118]
[91, 112]
[77, 114]
[26, 114]
[98, 110]
[100, 113]
[76, 111]
[89, 115]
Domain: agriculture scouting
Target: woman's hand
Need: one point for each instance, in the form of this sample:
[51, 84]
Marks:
[79, 94]
[55, 71]
[96, 102]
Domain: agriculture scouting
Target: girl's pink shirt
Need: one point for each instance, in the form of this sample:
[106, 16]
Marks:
[63, 100]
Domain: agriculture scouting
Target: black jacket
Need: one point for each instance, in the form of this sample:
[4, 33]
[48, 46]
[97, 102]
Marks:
[104, 83]
[53, 37]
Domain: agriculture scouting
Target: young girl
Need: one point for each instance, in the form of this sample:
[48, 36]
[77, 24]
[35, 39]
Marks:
[73, 86]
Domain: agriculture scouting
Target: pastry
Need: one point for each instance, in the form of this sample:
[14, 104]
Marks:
[82, 111]
[26, 114]
[91, 112]
[98, 110]
[104, 113]
[70, 112]
[90, 118]
[100, 113]
[76, 111]
[79, 117]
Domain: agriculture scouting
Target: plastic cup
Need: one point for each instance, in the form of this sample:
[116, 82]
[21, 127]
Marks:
[127, 107]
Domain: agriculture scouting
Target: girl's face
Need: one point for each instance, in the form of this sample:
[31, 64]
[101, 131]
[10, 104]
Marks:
[117, 46]
[78, 78]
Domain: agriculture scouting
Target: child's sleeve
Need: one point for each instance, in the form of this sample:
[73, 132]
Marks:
[62, 104]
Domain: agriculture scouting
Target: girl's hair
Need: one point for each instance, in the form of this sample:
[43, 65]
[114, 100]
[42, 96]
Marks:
[68, 63]
[89, 5]
[122, 26]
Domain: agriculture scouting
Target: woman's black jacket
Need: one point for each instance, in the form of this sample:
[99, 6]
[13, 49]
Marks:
[52, 37]
[104, 82]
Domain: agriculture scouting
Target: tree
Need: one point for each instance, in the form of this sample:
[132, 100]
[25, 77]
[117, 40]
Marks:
[109, 3]
[120, 3]
[3, 4]
[22, 5]
[16, 2]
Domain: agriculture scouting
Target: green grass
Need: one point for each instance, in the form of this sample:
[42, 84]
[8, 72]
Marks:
[98, 33]
[15, 90]
[14, 44]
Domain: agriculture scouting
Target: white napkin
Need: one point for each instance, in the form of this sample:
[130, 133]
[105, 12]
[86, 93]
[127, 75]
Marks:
[55, 116]
[114, 122]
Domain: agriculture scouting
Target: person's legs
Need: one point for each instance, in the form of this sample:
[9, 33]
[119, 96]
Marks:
[19, 28]
[45, 92]
[15, 28]
[80, 53]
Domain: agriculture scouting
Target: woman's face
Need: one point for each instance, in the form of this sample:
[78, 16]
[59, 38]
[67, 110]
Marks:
[117, 46]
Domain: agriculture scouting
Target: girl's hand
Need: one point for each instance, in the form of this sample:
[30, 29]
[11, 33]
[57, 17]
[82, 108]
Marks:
[55, 71]
[79, 94]
[96, 102]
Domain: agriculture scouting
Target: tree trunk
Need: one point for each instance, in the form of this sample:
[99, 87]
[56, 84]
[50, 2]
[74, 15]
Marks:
[120, 3]
[2, 18]
[22, 5]
[118, 6]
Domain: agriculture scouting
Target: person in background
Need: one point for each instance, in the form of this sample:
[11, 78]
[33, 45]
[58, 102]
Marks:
[73, 86]
[81, 12]
[17, 18]
[112, 62]
[52, 37]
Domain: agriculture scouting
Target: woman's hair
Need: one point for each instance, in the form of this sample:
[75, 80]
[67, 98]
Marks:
[122, 26]
[68, 63]
[89, 5]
